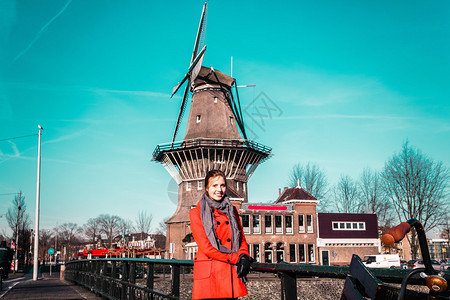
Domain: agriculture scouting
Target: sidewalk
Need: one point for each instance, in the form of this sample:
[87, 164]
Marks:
[45, 288]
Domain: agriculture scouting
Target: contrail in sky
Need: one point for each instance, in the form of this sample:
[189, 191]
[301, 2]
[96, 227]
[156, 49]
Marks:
[38, 35]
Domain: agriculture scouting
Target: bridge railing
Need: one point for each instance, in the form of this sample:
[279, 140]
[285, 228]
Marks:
[134, 278]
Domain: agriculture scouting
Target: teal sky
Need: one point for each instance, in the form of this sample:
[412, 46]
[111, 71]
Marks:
[352, 79]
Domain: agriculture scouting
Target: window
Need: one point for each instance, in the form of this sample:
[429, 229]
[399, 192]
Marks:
[231, 120]
[311, 253]
[243, 187]
[256, 224]
[348, 225]
[301, 223]
[188, 186]
[237, 186]
[246, 223]
[199, 185]
[278, 224]
[256, 253]
[198, 118]
[215, 99]
[289, 225]
[267, 253]
[292, 253]
[280, 252]
[268, 224]
[302, 253]
[309, 223]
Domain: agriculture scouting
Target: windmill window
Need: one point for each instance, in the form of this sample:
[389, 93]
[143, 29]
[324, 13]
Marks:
[199, 185]
[188, 186]
[231, 120]
[215, 99]
[198, 118]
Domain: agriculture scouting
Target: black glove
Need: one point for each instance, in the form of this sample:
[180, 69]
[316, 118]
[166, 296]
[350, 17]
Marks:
[243, 265]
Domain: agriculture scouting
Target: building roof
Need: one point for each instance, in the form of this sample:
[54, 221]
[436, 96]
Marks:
[232, 193]
[295, 193]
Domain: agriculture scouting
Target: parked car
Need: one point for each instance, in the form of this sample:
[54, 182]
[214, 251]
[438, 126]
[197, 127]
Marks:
[419, 264]
[410, 263]
[382, 261]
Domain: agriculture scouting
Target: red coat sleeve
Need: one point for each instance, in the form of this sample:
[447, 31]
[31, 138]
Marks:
[203, 242]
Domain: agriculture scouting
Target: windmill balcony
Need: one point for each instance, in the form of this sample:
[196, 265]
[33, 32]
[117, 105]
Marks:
[208, 142]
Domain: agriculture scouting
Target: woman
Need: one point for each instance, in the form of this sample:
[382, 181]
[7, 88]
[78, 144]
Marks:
[222, 261]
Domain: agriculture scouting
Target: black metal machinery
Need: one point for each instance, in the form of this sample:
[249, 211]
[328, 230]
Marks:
[362, 284]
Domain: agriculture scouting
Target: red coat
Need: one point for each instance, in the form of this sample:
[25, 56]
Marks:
[215, 272]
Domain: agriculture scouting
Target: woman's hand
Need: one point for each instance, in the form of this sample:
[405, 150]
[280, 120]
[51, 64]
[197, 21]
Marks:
[243, 265]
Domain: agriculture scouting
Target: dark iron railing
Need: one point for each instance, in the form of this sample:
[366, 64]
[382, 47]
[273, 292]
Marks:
[210, 142]
[133, 278]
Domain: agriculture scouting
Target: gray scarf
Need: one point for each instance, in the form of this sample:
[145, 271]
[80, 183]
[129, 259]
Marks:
[209, 224]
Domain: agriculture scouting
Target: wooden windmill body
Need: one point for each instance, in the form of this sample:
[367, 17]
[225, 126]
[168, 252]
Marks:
[215, 139]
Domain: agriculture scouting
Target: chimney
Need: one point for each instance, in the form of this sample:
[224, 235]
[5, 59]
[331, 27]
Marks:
[279, 192]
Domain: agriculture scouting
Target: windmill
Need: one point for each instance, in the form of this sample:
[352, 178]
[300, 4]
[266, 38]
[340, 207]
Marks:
[215, 139]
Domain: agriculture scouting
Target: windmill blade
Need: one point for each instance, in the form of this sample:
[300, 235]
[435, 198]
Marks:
[197, 64]
[200, 38]
[177, 87]
[182, 108]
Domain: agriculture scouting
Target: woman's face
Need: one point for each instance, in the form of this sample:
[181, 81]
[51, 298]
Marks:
[216, 188]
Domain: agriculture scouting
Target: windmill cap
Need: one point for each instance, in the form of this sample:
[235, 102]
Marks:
[212, 76]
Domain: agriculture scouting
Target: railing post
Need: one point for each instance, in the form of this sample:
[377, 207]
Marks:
[150, 275]
[132, 279]
[288, 286]
[124, 280]
[112, 286]
[104, 280]
[175, 280]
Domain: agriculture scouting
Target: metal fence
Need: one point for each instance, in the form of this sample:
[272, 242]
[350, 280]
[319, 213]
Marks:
[132, 278]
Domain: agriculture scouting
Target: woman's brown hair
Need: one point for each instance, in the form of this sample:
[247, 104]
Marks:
[212, 174]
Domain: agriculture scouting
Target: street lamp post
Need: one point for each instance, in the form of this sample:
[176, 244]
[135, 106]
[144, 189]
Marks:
[36, 225]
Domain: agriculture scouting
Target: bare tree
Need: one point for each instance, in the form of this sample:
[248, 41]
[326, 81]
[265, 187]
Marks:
[374, 199]
[162, 228]
[346, 195]
[143, 223]
[68, 235]
[311, 178]
[417, 187]
[110, 226]
[92, 230]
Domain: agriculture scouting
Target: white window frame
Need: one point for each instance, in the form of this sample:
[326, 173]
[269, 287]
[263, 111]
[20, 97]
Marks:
[270, 250]
[246, 229]
[313, 260]
[257, 257]
[305, 252]
[188, 186]
[301, 227]
[342, 225]
[289, 230]
[295, 253]
[268, 230]
[310, 228]
[199, 185]
[281, 250]
[257, 229]
[199, 118]
[279, 230]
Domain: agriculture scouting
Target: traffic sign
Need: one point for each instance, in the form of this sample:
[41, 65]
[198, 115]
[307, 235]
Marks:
[51, 251]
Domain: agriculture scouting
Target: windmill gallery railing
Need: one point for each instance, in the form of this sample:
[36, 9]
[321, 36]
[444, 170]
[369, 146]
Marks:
[209, 142]
[135, 278]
